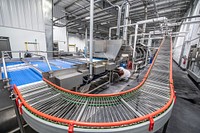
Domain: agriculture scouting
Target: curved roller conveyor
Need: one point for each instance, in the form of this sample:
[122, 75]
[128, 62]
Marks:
[47, 107]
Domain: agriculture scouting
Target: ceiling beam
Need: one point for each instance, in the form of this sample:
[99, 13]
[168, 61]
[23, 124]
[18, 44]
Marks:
[57, 2]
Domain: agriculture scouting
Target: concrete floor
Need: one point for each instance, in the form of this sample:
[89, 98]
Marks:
[186, 113]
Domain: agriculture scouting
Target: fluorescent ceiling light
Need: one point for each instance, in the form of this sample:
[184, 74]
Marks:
[87, 17]
[103, 23]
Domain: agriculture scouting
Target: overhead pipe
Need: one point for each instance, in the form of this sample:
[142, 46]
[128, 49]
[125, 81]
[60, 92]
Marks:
[126, 15]
[91, 36]
[133, 24]
[111, 28]
[136, 32]
[118, 19]
[100, 11]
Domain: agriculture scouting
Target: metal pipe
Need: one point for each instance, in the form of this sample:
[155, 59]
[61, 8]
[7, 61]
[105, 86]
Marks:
[140, 22]
[4, 66]
[136, 31]
[191, 22]
[110, 29]
[86, 42]
[134, 46]
[130, 40]
[148, 51]
[118, 23]
[110, 32]
[47, 63]
[67, 37]
[160, 19]
[91, 35]
[144, 25]
[18, 116]
[155, 8]
[126, 15]
[151, 38]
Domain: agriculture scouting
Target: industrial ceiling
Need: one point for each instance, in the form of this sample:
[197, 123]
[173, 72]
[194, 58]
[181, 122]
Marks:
[76, 12]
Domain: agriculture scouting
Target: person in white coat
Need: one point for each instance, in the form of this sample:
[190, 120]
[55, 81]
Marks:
[124, 73]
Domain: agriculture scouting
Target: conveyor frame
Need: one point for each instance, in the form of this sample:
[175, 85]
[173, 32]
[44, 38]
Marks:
[152, 121]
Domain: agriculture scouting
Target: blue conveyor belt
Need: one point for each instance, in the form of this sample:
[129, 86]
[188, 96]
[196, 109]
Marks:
[43, 66]
[74, 61]
[12, 63]
[62, 64]
[23, 76]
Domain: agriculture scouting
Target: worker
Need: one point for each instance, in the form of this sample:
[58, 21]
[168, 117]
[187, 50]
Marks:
[124, 73]
[27, 54]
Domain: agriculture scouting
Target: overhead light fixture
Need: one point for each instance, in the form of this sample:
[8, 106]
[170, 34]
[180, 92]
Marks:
[80, 28]
[87, 18]
[103, 23]
[97, 32]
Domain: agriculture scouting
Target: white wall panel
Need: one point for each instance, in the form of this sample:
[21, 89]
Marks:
[6, 13]
[13, 12]
[76, 39]
[59, 33]
[17, 41]
[28, 14]
[22, 14]
[22, 21]
[1, 13]
[60, 36]
[192, 30]
[40, 15]
[34, 18]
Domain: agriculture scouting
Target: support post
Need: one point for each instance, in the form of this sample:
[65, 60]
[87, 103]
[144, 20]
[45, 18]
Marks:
[91, 36]
[126, 15]
[130, 40]
[86, 43]
[135, 41]
[5, 71]
[110, 33]
[19, 119]
[148, 51]
[118, 23]
[165, 127]
[144, 25]
[48, 24]
[67, 39]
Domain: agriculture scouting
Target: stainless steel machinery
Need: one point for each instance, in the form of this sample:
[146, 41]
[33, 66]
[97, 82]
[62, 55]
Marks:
[194, 63]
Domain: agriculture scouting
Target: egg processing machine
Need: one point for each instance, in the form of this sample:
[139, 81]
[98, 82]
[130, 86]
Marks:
[48, 93]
